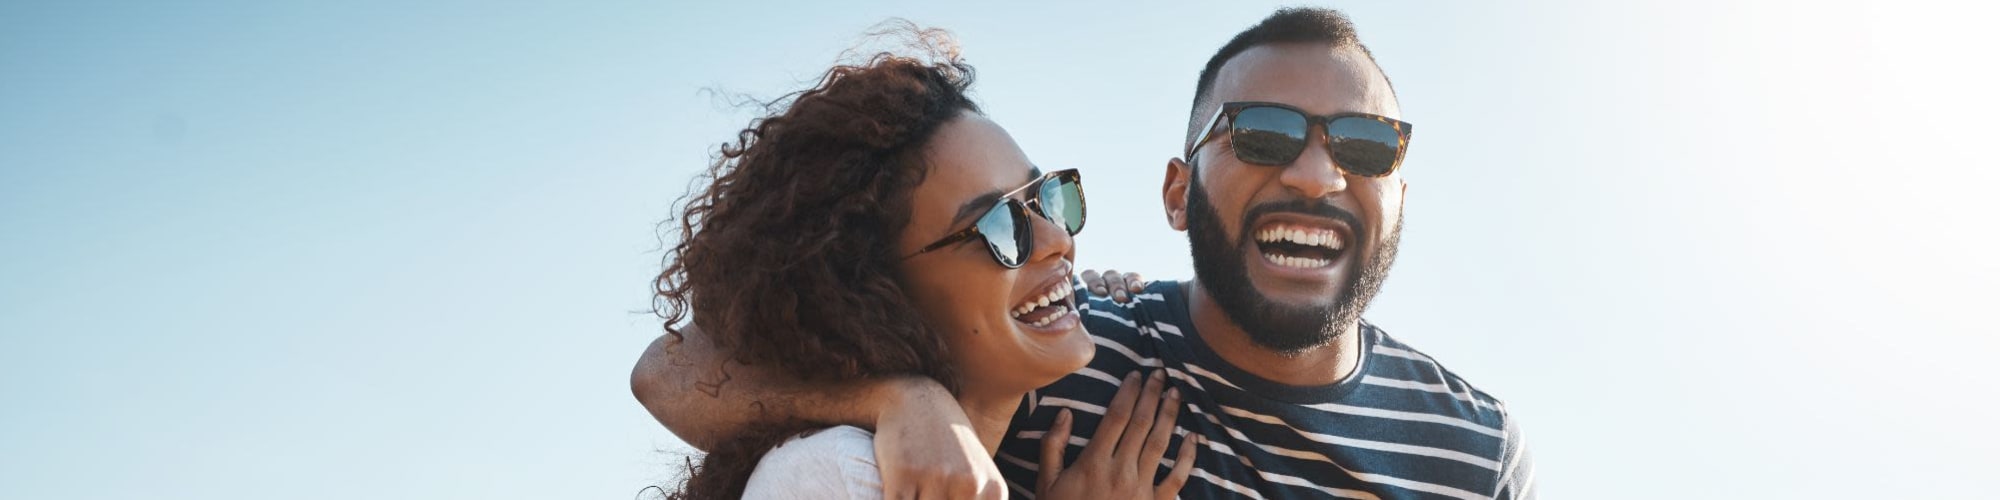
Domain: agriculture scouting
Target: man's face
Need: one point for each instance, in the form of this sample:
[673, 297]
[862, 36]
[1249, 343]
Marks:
[1291, 297]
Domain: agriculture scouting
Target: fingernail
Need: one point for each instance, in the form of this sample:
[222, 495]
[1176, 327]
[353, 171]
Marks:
[1063, 417]
[1159, 374]
[1174, 393]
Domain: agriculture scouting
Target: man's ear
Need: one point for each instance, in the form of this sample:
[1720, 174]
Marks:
[1174, 191]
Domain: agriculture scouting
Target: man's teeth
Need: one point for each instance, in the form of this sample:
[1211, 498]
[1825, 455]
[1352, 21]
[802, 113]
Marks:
[1298, 262]
[1309, 237]
[1053, 296]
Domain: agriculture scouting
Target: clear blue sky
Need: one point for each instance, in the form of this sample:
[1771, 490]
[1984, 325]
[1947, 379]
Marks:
[401, 249]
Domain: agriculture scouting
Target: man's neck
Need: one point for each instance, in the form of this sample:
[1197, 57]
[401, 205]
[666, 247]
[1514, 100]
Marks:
[1321, 365]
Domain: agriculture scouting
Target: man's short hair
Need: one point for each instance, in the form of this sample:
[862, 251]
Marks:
[1287, 25]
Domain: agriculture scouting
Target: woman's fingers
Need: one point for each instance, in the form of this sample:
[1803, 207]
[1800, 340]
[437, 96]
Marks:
[1183, 467]
[1053, 444]
[1126, 451]
[1162, 433]
[1141, 422]
[1112, 427]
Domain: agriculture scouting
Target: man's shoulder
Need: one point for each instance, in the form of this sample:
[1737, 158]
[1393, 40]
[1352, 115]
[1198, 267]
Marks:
[1398, 364]
[1516, 464]
[1159, 309]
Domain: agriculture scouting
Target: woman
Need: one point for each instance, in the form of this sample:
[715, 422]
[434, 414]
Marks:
[879, 225]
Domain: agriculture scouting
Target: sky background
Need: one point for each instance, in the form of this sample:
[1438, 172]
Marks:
[402, 249]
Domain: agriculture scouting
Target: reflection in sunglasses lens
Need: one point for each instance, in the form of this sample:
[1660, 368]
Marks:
[1003, 233]
[1268, 135]
[1363, 146]
[1062, 202]
[1052, 203]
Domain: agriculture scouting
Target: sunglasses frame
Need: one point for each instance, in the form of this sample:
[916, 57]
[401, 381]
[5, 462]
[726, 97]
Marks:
[1020, 214]
[1324, 122]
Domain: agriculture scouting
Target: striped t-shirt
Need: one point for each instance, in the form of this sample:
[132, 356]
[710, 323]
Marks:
[1400, 427]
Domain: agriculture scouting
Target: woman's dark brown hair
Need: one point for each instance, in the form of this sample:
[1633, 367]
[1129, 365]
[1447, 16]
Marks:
[787, 259]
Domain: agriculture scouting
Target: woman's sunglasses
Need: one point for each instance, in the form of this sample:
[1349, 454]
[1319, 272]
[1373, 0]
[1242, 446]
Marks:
[1268, 133]
[1010, 236]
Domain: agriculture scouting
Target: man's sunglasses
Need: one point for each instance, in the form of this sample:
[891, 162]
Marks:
[1268, 133]
[1010, 236]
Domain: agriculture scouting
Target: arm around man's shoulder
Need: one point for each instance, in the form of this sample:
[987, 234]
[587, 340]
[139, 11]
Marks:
[703, 397]
[665, 380]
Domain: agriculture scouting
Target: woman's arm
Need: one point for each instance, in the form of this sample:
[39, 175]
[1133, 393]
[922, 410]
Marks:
[702, 396]
[923, 441]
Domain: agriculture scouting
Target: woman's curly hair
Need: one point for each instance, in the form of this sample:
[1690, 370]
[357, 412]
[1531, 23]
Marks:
[788, 258]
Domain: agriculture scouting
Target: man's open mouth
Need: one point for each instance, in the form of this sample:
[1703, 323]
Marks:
[1299, 246]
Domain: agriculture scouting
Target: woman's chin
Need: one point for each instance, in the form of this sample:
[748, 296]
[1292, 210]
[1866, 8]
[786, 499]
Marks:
[1067, 352]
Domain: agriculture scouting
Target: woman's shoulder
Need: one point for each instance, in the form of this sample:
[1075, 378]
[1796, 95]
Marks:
[835, 462]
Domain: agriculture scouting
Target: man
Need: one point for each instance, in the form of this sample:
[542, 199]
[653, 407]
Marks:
[1292, 204]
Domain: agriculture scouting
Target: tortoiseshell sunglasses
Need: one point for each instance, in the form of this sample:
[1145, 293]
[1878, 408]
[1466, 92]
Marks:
[1269, 133]
[1009, 235]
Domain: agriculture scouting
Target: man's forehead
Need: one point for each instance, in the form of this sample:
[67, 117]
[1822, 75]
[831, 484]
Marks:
[1313, 76]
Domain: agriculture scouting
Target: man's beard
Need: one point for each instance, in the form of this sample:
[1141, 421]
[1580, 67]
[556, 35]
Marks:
[1285, 328]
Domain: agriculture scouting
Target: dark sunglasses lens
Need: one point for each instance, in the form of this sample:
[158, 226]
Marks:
[1062, 202]
[1363, 146]
[1006, 233]
[1268, 135]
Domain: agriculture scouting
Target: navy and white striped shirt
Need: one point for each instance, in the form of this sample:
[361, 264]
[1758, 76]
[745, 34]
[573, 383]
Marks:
[1400, 427]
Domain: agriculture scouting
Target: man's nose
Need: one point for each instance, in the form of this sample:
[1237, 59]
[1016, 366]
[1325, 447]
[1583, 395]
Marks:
[1314, 175]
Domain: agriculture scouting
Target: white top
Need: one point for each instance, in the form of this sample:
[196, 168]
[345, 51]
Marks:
[833, 463]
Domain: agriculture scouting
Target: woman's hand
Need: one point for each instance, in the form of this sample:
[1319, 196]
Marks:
[926, 447]
[1124, 455]
[1120, 287]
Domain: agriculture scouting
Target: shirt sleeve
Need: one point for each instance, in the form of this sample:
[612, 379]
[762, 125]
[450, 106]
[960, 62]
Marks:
[834, 463]
[1517, 472]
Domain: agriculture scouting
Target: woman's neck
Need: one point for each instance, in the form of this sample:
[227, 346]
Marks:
[990, 412]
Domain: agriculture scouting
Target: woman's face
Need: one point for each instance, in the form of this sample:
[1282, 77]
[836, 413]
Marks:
[968, 296]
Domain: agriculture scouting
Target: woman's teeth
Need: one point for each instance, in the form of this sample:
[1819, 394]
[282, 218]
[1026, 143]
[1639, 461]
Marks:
[1059, 313]
[1053, 296]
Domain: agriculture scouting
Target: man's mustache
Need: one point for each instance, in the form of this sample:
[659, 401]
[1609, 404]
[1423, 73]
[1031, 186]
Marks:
[1303, 207]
